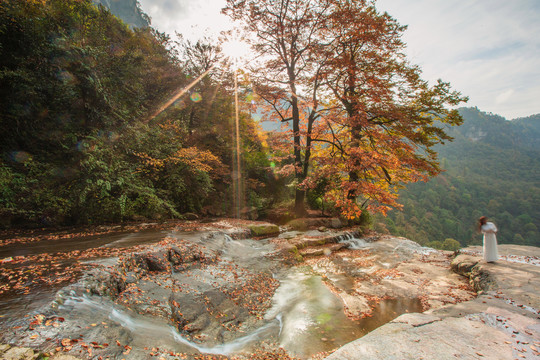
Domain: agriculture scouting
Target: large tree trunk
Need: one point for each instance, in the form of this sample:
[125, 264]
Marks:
[299, 207]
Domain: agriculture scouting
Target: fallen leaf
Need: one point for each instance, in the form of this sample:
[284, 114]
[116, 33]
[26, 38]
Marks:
[66, 342]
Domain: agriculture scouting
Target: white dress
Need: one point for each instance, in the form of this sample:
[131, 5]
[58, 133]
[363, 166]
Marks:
[490, 242]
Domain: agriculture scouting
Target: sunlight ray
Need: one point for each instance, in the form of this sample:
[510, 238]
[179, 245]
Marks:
[180, 93]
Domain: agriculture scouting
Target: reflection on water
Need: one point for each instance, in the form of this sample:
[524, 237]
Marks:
[16, 304]
[82, 243]
[311, 315]
[313, 318]
[387, 310]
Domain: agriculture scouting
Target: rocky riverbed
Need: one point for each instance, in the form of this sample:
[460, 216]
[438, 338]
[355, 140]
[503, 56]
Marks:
[227, 290]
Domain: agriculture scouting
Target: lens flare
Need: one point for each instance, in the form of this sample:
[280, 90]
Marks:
[196, 97]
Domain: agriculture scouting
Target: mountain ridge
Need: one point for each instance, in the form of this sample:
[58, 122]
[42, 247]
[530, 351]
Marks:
[129, 11]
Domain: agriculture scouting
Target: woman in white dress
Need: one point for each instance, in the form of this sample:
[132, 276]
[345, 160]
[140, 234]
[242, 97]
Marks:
[490, 239]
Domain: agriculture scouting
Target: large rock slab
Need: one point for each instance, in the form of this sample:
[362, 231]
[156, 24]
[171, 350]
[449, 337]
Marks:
[503, 322]
[422, 336]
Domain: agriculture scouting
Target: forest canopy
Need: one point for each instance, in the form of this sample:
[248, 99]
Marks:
[79, 145]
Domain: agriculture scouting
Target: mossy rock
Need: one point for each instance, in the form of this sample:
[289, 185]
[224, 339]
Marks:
[264, 230]
[296, 254]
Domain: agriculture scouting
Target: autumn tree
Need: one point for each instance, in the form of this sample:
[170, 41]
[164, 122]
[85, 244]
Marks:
[387, 119]
[286, 35]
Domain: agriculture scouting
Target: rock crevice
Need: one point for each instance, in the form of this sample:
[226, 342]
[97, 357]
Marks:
[479, 277]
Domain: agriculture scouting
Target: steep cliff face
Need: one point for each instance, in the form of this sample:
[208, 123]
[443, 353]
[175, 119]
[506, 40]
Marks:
[127, 10]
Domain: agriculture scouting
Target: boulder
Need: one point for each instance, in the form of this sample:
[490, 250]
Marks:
[303, 224]
[335, 223]
[264, 230]
[463, 264]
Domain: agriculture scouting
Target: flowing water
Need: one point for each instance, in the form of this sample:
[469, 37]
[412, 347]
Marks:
[305, 316]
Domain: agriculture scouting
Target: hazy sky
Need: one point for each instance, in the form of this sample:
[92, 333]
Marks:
[487, 49]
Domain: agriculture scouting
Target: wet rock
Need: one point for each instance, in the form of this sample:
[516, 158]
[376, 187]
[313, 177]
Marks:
[322, 250]
[131, 278]
[186, 310]
[211, 315]
[158, 261]
[102, 283]
[154, 261]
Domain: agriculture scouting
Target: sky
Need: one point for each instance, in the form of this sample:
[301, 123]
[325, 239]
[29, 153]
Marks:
[488, 50]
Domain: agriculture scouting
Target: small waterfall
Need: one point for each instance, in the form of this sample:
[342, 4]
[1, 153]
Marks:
[353, 241]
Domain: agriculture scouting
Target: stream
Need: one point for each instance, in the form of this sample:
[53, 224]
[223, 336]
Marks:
[302, 314]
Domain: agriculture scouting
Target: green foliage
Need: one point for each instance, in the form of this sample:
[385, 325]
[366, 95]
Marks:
[451, 244]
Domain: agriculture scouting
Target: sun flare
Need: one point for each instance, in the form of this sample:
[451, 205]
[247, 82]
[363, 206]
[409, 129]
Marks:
[236, 50]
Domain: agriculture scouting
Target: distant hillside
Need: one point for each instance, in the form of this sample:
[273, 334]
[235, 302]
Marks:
[127, 10]
[493, 169]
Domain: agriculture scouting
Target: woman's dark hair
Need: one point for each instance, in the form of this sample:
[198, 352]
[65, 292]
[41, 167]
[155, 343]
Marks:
[481, 221]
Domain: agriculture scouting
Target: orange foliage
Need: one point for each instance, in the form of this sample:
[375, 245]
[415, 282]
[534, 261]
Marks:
[193, 158]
